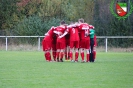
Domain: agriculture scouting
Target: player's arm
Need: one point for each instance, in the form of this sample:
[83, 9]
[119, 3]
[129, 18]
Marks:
[56, 32]
[92, 32]
[66, 32]
[46, 34]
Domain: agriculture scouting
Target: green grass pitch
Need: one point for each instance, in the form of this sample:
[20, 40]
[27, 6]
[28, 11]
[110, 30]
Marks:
[19, 69]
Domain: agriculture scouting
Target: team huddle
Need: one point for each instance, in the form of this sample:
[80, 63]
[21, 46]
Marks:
[66, 40]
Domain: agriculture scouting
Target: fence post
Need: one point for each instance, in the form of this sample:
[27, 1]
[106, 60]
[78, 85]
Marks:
[38, 43]
[6, 43]
[106, 44]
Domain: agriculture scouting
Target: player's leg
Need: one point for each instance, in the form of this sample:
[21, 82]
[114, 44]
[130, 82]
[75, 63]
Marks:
[87, 55]
[76, 44]
[94, 53]
[54, 54]
[62, 49]
[66, 50]
[87, 48]
[76, 54]
[61, 55]
[71, 50]
[68, 53]
[91, 51]
[82, 50]
[57, 51]
[54, 51]
[71, 54]
[82, 54]
[49, 55]
[57, 54]
[46, 49]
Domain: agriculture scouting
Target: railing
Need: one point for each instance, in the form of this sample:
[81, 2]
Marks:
[39, 46]
[106, 39]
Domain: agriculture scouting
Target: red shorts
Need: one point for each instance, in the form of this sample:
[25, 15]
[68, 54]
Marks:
[85, 44]
[60, 45]
[46, 45]
[74, 44]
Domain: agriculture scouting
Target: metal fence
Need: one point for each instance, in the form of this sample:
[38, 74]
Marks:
[5, 40]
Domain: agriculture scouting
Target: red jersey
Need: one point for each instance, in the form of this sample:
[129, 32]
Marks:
[83, 29]
[49, 34]
[73, 31]
[61, 30]
[83, 26]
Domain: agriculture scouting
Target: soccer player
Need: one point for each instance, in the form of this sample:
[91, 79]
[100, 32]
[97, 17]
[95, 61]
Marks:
[84, 39]
[72, 29]
[61, 42]
[94, 48]
[92, 33]
[47, 44]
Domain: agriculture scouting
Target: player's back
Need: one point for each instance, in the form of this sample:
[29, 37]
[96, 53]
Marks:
[84, 29]
[83, 26]
[49, 34]
[73, 31]
[61, 29]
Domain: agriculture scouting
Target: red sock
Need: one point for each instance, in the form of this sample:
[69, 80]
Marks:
[82, 56]
[94, 54]
[61, 55]
[71, 55]
[87, 57]
[76, 56]
[49, 56]
[46, 56]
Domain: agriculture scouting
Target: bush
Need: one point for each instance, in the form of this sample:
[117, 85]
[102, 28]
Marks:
[29, 26]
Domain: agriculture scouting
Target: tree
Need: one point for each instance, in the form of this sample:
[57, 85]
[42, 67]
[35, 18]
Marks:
[8, 10]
